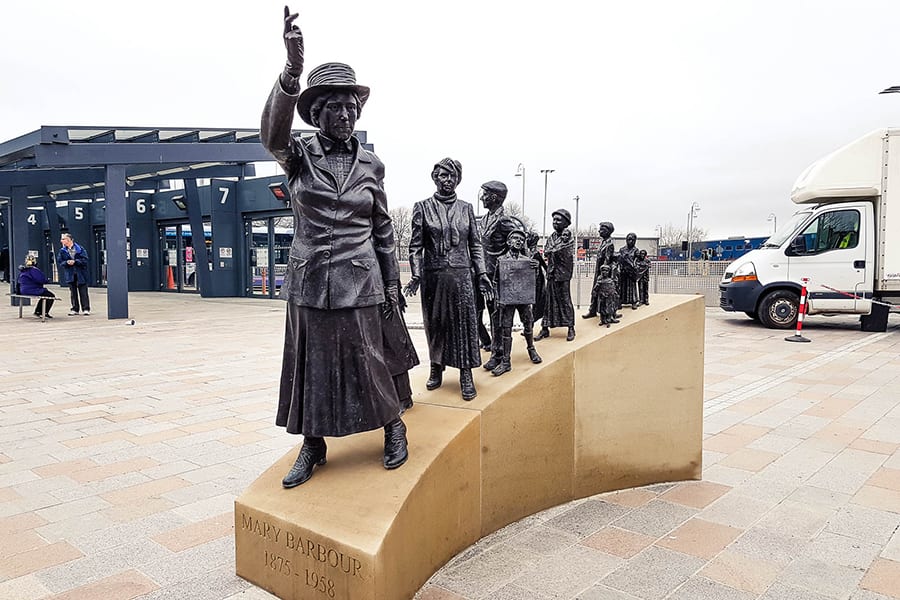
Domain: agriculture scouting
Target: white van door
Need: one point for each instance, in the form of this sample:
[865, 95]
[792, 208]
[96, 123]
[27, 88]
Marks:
[831, 251]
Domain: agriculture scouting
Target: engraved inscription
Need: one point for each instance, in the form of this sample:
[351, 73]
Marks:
[300, 550]
[260, 528]
[329, 556]
[320, 583]
[279, 564]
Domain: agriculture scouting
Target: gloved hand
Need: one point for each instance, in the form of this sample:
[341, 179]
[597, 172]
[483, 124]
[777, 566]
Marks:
[486, 287]
[293, 43]
[412, 287]
[391, 299]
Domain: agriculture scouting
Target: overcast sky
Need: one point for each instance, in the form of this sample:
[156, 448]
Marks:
[641, 107]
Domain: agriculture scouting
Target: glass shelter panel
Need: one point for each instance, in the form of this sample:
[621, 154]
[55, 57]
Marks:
[283, 235]
[171, 247]
[100, 249]
[259, 255]
[179, 260]
[268, 250]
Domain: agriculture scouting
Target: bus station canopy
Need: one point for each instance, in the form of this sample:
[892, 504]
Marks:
[62, 162]
[57, 163]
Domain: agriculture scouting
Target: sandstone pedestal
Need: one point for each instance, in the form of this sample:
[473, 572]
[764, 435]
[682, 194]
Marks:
[616, 408]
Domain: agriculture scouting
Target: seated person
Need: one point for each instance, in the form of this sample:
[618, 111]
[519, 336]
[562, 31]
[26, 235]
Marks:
[31, 283]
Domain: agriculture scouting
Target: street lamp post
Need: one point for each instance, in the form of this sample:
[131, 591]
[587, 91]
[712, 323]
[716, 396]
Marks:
[520, 172]
[774, 220]
[658, 230]
[546, 172]
[575, 258]
[691, 214]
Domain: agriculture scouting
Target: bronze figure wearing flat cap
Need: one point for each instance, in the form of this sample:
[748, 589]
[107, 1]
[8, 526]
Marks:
[495, 227]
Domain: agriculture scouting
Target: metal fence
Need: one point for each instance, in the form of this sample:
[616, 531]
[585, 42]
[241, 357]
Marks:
[666, 277]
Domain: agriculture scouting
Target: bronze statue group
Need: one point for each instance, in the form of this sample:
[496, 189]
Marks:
[347, 350]
[620, 278]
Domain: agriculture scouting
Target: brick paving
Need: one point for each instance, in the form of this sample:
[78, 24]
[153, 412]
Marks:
[123, 447]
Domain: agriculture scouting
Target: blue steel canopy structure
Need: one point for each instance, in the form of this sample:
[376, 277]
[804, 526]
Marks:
[71, 162]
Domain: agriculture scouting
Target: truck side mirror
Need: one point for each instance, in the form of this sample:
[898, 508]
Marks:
[798, 246]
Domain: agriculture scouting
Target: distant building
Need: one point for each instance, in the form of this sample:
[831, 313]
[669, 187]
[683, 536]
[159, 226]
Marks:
[723, 249]
[588, 246]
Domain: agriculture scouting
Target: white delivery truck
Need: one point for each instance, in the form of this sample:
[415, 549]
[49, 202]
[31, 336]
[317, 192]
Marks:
[844, 241]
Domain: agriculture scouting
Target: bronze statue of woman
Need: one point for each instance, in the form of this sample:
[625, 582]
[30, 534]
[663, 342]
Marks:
[444, 251]
[342, 276]
[559, 251]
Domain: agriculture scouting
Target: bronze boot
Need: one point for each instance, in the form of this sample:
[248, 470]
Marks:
[467, 384]
[532, 353]
[484, 337]
[494, 360]
[436, 378]
[395, 444]
[312, 453]
[503, 365]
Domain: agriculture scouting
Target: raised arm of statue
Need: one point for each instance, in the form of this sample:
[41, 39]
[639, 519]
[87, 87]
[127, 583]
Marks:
[293, 43]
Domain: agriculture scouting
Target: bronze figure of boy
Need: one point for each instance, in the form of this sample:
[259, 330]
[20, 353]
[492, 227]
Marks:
[607, 296]
[514, 274]
[644, 265]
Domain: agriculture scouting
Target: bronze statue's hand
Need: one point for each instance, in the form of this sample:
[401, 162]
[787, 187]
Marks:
[387, 310]
[392, 292]
[486, 287]
[293, 42]
[535, 264]
[412, 287]
[391, 299]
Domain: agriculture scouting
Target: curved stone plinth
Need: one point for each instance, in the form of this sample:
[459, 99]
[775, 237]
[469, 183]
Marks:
[616, 408]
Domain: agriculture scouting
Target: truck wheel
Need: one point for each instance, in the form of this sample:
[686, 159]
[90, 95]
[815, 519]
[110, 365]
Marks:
[778, 310]
[752, 315]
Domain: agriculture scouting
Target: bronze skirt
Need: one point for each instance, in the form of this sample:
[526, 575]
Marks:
[558, 311]
[335, 380]
[448, 311]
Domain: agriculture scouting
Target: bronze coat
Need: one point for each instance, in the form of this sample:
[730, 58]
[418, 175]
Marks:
[444, 251]
[495, 228]
[429, 248]
[343, 249]
[560, 258]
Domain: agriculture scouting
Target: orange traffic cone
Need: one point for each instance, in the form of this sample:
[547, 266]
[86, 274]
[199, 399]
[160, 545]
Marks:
[170, 279]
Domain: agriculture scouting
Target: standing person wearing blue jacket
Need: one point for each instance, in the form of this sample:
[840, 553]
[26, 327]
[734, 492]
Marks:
[31, 283]
[73, 262]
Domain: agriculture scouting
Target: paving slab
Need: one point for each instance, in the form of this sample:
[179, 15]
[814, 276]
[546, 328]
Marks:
[148, 432]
